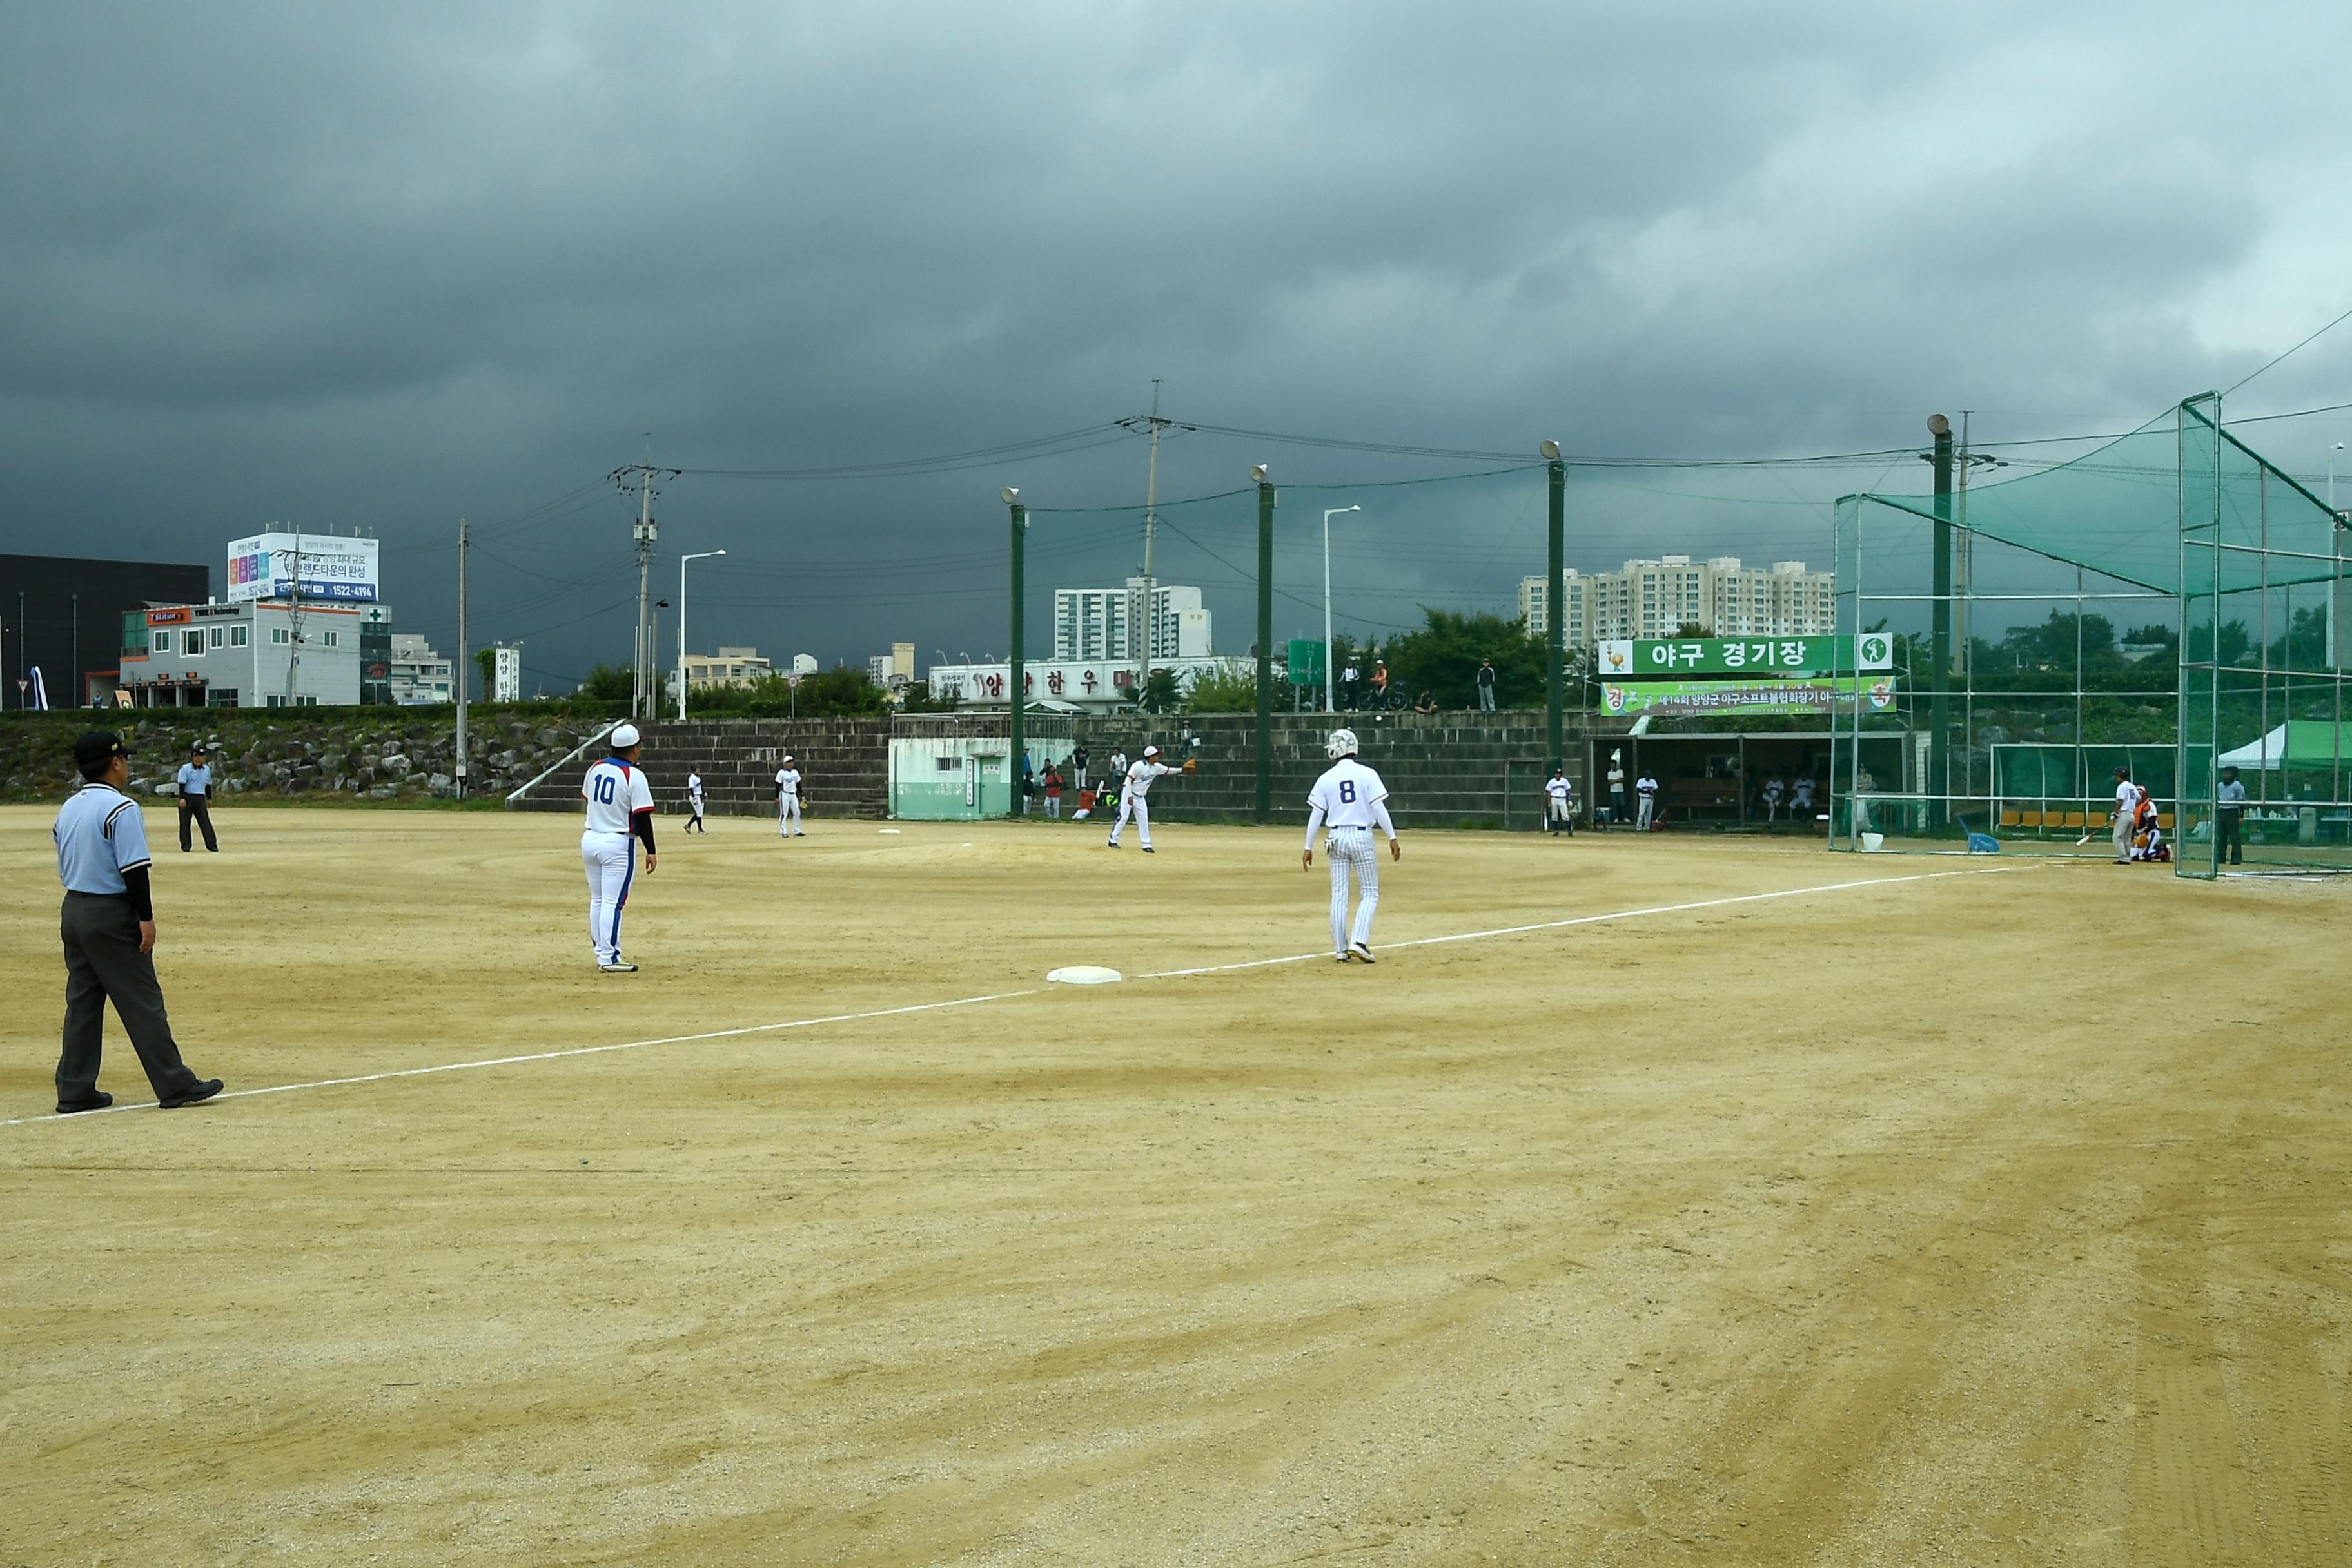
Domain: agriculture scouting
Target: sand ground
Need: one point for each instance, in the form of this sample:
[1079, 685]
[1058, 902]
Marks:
[1997, 1216]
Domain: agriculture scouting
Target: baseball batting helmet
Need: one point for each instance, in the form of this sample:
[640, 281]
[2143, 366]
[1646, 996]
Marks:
[1342, 743]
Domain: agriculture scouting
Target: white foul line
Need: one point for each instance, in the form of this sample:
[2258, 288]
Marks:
[550, 1055]
[1595, 919]
[1011, 996]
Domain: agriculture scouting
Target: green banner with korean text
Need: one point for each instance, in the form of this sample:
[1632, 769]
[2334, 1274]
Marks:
[1667, 699]
[1646, 658]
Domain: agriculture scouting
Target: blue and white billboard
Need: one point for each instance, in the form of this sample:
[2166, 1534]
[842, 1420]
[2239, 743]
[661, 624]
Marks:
[317, 566]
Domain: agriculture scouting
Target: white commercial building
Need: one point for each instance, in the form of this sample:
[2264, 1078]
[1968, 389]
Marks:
[258, 653]
[728, 667]
[420, 676]
[1100, 623]
[1658, 598]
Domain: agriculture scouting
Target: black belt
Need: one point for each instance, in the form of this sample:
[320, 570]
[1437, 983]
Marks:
[77, 893]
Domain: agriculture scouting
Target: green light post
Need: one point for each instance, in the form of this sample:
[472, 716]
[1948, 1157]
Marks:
[1555, 596]
[1265, 743]
[1019, 673]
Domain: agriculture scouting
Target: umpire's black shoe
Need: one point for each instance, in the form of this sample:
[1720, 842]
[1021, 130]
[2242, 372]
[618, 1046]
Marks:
[98, 1101]
[202, 1092]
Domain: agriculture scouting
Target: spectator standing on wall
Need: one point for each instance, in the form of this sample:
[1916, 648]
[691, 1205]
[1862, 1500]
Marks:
[1485, 685]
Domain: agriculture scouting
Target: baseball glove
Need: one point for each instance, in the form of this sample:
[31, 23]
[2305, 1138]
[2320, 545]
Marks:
[1191, 765]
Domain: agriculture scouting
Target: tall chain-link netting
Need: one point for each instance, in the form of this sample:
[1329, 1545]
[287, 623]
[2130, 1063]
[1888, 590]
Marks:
[2190, 595]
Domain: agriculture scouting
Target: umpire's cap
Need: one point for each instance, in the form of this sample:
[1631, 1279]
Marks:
[94, 752]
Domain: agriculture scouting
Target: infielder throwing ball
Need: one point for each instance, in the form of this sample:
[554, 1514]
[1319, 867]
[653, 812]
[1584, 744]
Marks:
[788, 800]
[1132, 800]
[1351, 800]
[620, 810]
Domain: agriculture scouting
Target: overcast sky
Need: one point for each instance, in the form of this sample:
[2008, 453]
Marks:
[380, 266]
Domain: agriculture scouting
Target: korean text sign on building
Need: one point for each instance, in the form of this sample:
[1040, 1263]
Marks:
[317, 566]
[1669, 657]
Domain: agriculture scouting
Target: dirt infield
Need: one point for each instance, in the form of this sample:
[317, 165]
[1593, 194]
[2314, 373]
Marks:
[1978, 1218]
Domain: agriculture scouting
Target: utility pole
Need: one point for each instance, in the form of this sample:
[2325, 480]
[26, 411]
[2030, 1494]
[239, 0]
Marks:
[294, 620]
[1155, 425]
[640, 477]
[1939, 718]
[1556, 600]
[645, 579]
[1019, 674]
[1264, 737]
[463, 657]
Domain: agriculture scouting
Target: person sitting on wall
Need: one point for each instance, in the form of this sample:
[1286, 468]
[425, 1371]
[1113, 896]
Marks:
[1427, 704]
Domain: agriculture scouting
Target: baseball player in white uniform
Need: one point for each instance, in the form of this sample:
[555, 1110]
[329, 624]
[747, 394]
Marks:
[1561, 797]
[788, 800]
[620, 810]
[695, 824]
[1133, 801]
[1351, 800]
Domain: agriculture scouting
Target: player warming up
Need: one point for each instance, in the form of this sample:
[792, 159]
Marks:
[1133, 800]
[788, 800]
[1351, 800]
[694, 824]
[620, 810]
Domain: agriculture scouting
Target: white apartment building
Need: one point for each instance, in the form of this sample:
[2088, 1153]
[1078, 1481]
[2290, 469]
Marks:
[895, 670]
[1657, 598]
[1100, 623]
[420, 676]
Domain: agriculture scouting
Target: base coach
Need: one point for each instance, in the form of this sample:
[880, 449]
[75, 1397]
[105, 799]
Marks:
[107, 925]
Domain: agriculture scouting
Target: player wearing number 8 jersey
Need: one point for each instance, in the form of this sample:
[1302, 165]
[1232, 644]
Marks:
[620, 811]
[1351, 800]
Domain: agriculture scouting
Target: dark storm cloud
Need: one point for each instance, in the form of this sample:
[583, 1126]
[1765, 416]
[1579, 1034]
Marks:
[378, 267]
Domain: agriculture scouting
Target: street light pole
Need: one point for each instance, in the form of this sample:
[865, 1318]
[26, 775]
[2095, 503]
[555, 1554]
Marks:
[698, 555]
[1330, 674]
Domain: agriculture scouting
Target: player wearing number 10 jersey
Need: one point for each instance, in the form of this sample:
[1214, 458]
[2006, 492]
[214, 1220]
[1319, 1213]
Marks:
[620, 810]
[1349, 798]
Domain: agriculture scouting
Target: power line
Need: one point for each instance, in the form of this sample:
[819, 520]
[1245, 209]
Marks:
[2297, 349]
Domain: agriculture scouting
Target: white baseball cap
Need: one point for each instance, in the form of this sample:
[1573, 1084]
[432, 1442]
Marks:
[788, 756]
[1150, 750]
[625, 737]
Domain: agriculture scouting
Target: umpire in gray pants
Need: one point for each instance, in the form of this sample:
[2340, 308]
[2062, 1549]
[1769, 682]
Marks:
[107, 926]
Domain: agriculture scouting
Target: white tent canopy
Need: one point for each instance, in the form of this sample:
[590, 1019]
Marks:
[2268, 753]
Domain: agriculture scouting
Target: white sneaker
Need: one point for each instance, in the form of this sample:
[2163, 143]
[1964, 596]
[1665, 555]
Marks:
[1361, 953]
[617, 968]
[1343, 957]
